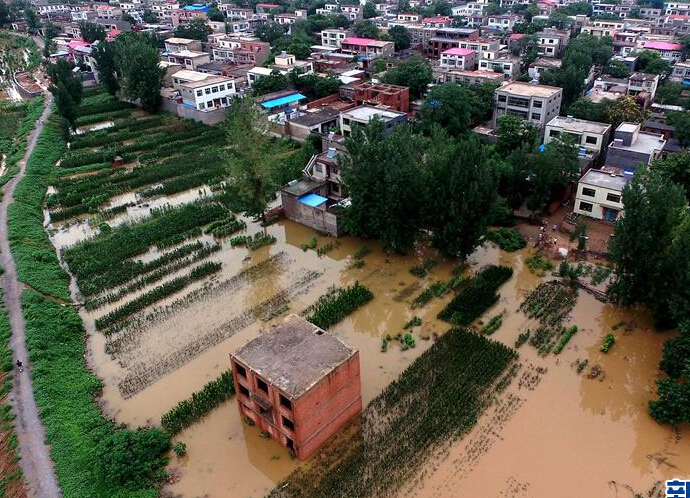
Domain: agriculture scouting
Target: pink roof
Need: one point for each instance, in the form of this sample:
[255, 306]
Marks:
[656, 45]
[516, 36]
[269, 5]
[78, 43]
[436, 19]
[358, 41]
[113, 32]
[458, 51]
[677, 16]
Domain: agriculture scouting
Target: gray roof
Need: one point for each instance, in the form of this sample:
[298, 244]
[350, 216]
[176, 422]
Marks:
[313, 118]
[610, 181]
[303, 186]
[294, 355]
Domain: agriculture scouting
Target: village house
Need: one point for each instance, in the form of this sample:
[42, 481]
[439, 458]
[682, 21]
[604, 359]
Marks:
[203, 91]
[363, 114]
[367, 48]
[599, 195]
[681, 73]
[333, 37]
[590, 137]
[537, 104]
[393, 97]
[468, 77]
[670, 52]
[190, 59]
[459, 58]
[632, 147]
[298, 383]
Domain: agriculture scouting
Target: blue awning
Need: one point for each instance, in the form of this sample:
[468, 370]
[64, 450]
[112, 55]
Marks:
[312, 200]
[270, 104]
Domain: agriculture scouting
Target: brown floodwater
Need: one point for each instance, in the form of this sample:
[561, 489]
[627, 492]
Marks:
[547, 430]
[567, 434]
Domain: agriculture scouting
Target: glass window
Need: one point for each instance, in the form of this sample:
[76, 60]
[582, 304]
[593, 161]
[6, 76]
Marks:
[586, 206]
[591, 140]
[589, 192]
[240, 370]
[207, 91]
[537, 104]
[285, 402]
[613, 197]
[221, 88]
[262, 385]
[244, 391]
[501, 98]
[214, 89]
[536, 116]
[554, 133]
[202, 105]
[199, 93]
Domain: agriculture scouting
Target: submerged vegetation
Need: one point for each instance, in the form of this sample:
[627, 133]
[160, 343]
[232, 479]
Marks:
[377, 453]
[199, 404]
[550, 303]
[507, 239]
[333, 307]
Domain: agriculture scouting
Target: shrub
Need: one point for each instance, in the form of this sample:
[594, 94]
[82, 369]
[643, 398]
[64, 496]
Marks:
[199, 404]
[180, 449]
[608, 343]
[564, 339]
[493, 325]
[333, 307]
[507, 239]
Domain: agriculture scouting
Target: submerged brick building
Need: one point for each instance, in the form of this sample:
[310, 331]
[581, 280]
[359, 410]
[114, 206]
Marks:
[298, 383]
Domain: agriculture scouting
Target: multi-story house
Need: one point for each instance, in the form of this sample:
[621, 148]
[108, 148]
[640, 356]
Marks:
[333, 37]
[393, 97]
[446, 38]
[537, 104]
[669, 51]
[681, 73]
[643, 82]
[632, 147]
[459, 58]
[502, 22]
[367, 47]
[599, 195]
[173, 45]
[189, 59]
[591, 136]
[298, 383]
[500, 62]
[286, 63]
[363, 114]
[352, 12]
[203, 91]
[189, 12]
[409, 17]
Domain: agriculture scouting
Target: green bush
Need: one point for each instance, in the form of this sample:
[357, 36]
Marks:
[333, 307]
[608, 343]
[199, 404]
[507, 239]
[564, 339]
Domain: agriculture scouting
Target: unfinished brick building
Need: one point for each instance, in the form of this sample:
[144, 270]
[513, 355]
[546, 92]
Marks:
[393, 97]
[298, 383]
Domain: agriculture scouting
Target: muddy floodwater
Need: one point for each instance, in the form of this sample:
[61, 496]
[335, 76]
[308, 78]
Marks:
[553, 432]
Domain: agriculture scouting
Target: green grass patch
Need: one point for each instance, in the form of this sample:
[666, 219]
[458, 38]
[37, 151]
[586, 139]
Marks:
[507, 239]
[330, 308]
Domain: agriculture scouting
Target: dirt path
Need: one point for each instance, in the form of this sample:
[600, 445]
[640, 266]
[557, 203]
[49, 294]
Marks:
[35, 454]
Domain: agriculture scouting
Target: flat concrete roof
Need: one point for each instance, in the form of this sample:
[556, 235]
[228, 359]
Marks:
[529, 90]
[313, 118]
[187, 75]
[294, 355]
[366, 113]
[189, 53]
[211, 80]
[645, 143]
[179, 41]
[598, 178]
[579, 125]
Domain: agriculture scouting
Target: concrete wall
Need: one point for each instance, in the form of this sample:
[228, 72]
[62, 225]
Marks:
[207, 117]
[318, 219]
[26, 94]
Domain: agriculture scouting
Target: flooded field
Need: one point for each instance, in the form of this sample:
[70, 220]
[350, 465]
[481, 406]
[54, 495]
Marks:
[552, 426]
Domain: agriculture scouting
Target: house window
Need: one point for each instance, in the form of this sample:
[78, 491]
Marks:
[287, 423]
[554, 133]
[199, 93]
[537, 104]
[318, 168]
[613, 197]
[244, 391]
[346, 121]
[202, 105]
[240, 370]
[207, 91]
[591, 140]
[262, 385]
[221, 88]
[536, 116]
[214, 89]
[586, 206]
[501, 98]
[285, 402]
[589, 192]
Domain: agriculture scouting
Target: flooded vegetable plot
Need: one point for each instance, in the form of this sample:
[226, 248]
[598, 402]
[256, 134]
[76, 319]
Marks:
[171, 281]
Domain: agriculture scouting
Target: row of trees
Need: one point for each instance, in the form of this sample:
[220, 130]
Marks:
[130, 65]
[66, 88]
[650, 248]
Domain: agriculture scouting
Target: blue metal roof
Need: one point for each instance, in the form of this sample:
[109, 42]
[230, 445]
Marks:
[283, 101]
[312, 200]
[196, 6]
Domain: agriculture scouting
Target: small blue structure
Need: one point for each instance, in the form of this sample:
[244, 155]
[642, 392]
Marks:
[279, 102]
[197, 6]
[312, 200]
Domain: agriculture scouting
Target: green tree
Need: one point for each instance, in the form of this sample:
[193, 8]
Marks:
[50, 31]
[149, 17]
[514, 133]
[670, 93]
[66, 88]
[385, 183]
[400, 36]
[274, 82]
[463, 189]
[4, 14]
[681, 123]
[365, 29]
[214, 13]
[586, 109]
[414, 73]
[104, 55]
[91, 32]
[269, 32]
[649, 61]
[369, 10]
[639, 248]
[617, 69]
[676, 167]
[252, 157]
[550, 171]
[673, 405]
[404, 7]
[625, 109]
[139, 74]
[31, 19]
[449, 106]
[313, 86]
[197, 29]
